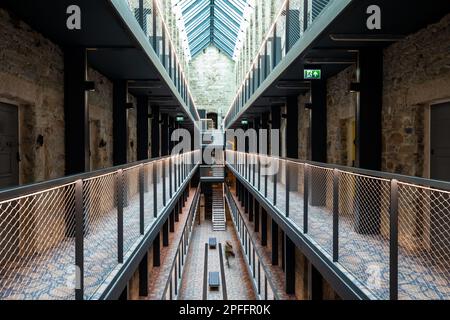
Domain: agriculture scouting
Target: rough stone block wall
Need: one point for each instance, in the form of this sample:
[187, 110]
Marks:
[132, 131]
[303, 123]
[101, 121]
[341, 106]
[32, 78]
[416, 74]
[212, 77]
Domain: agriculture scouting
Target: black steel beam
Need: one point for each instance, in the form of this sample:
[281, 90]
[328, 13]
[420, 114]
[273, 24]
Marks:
[76, 112]
[165, 137]
[319, 121]
[263, 227]
[120, 122]
[275, 236]
[289, 264]
[143, 276]
[157, 251]
[315, 283]
[142, 128]
[156, 137]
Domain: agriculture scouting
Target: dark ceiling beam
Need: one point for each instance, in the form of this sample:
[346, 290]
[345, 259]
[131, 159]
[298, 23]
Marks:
[366, 37]
[211, 21]
[329, 61]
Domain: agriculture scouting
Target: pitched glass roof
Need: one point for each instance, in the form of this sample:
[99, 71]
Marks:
[215, 22]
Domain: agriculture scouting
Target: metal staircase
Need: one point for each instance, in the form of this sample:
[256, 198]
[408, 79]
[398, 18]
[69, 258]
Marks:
[218, 209]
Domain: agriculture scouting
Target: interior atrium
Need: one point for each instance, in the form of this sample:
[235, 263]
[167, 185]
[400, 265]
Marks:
[224, 150]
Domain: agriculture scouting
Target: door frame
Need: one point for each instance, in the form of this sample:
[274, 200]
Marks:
[427, 140]
[19, 137]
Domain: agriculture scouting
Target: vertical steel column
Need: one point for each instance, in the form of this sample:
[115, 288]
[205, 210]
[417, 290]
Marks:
[141, 200]
[76, 112]
[393, 243]
[335, 215]
[120, 202]
[165, 233]
[257, 215]
[288, 187]
[163, 167]
[307, 173]
[289, 264]
[79, 241]
[172, 221]
[143, 276]
[263, 227]
[155, 190]
[275, 237]
[157, 251]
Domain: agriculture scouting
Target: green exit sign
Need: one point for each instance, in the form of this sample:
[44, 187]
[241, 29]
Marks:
[180, 119]
[312, 74]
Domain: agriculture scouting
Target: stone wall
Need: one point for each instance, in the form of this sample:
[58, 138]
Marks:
[132, 131]
[32, 78]
[304, 116]
[416, 74]
[341, 109]
[101, 121]
[212, 77]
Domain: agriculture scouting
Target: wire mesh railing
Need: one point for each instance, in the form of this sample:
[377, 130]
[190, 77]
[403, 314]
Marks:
[265, 288]
[173, 285]
[389, 233]
[169, 51]
[292, 20]
[63, 239]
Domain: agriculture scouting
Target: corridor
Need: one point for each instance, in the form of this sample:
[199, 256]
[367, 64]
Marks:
[237, 280]
[141, 140]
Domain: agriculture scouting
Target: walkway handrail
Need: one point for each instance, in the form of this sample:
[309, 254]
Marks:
[299, 30]
[67, 238]
[256, 277]
[174, 281]
[396, 227]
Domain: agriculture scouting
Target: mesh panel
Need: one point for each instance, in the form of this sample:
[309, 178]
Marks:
[296, 192]
[320, 216]
[364, 230]
[148, 194]
[424, 242]
[36, 242]
[131, 232]
[100, 240]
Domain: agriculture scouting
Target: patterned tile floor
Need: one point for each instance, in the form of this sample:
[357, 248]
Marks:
[365, 258]
[51, 274]
[238, 282]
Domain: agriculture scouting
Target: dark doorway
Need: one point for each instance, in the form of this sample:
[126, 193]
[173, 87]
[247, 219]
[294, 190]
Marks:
[215, 118]
[9, 145]
[440, 142]
[440, 170]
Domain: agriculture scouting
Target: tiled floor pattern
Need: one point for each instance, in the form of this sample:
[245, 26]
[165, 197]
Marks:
[50, 275]
[238, 282]
[365, 258]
